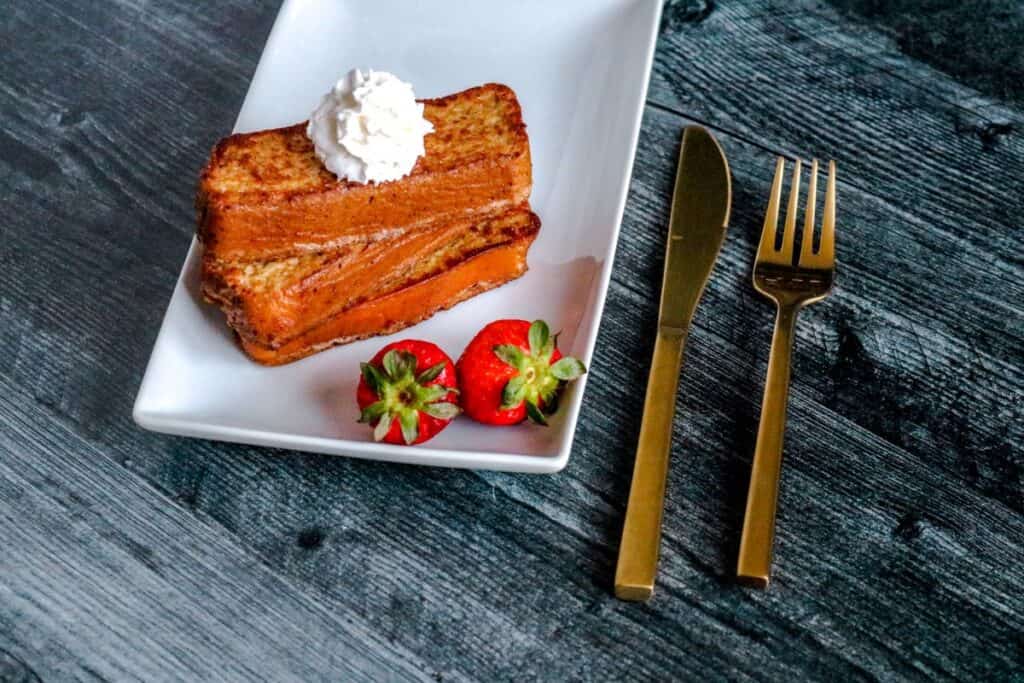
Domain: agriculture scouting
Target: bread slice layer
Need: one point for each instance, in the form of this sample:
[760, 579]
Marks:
[269, 303]
[265, 195]
[407, 306]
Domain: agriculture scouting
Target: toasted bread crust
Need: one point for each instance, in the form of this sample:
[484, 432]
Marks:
[265, 195]
[271, 303]
[408, 306]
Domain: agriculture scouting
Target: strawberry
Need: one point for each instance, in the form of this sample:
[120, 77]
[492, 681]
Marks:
[407, 392]
[513, 370]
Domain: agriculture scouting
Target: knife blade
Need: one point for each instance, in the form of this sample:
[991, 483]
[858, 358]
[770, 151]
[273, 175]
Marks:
[697, 224]
[700, 215]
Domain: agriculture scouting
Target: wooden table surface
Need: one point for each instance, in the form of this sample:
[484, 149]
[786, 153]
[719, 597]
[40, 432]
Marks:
[127, 555]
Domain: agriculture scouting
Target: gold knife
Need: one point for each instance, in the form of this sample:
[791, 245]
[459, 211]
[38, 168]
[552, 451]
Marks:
[700, 214]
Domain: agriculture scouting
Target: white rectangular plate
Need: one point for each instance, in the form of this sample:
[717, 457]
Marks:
[580, 69]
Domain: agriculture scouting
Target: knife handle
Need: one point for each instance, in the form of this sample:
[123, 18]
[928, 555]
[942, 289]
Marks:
[641, 533]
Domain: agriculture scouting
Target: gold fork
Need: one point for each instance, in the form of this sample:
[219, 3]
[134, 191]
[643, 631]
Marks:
[791, 287]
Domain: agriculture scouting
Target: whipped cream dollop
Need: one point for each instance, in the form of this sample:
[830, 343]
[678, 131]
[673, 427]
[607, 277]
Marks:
[369, 127]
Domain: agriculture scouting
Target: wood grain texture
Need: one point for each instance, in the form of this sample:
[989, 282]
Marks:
[134, 556]
[135, 579]
[939, 245]
[976, 42]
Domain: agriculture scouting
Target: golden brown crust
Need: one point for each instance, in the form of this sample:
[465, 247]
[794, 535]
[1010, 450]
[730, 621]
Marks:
[265, 195]
[408, 306]
[272, 303]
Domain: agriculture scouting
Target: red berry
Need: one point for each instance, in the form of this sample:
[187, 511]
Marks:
[511, 370]
[407, 392]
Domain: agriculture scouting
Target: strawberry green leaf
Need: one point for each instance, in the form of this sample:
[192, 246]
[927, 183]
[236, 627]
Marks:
[372, 376]
[410, 423]
[510, 354]
[391, 364]
[568, 368]
[407, 363]
[549, 348]
[534, 413]
[373, 411]
[442, 411]
[431, 373]
[513, 393]
[383, 427]
[549, 394]
[538, 336]
[434, 392]
[548, 351]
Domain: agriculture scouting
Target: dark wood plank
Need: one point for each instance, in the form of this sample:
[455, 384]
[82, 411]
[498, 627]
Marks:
[901, 515]
[104, 578]
[978, 42]
[934, 259]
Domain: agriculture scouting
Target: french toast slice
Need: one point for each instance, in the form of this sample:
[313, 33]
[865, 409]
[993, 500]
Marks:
[265, 195]
[272, 302]
[407, 306]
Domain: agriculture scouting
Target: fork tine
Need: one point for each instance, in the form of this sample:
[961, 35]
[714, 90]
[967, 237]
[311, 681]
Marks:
[766, 249]
[807, 241]
[827, 248]
[789, 232]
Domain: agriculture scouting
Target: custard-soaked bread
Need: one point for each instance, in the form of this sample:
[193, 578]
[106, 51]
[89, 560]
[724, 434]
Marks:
[265, 195]
[272, 302]
[406, 306]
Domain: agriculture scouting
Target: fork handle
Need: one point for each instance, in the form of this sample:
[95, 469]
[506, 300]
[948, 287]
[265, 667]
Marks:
[641, 533]
[755, 558]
